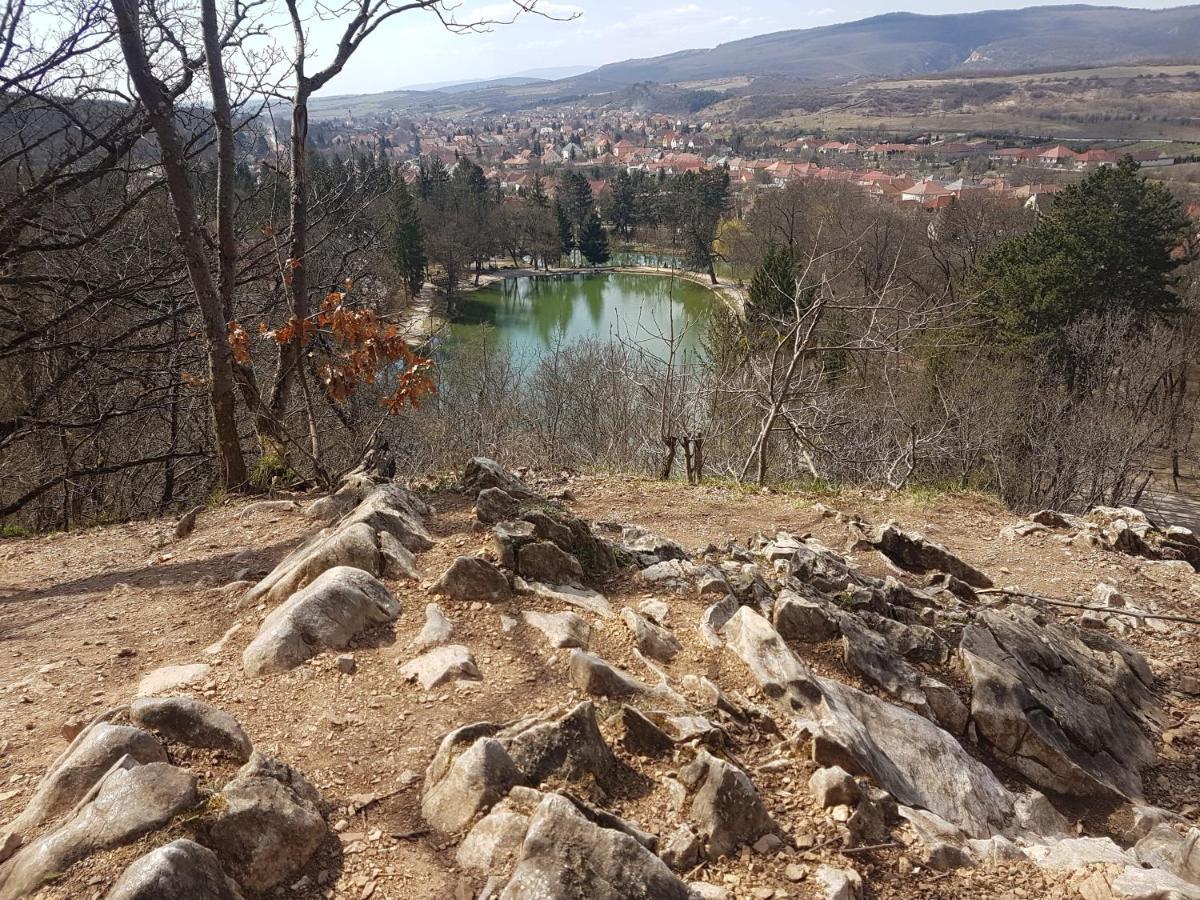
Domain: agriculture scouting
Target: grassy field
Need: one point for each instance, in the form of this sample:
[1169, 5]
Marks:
[1107, 72]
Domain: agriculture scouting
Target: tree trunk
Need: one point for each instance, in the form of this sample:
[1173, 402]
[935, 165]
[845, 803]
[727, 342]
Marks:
[161, 112]
[669, 462]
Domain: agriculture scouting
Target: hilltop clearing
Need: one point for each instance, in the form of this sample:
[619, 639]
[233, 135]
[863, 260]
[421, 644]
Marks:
[768, 713]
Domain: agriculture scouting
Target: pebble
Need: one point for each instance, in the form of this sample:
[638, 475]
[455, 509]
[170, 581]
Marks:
[795, 872]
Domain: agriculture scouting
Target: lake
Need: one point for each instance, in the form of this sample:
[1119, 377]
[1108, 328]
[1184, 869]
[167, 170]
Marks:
[533, 315]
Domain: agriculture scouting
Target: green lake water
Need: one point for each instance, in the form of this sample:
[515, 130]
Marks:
[533, 315]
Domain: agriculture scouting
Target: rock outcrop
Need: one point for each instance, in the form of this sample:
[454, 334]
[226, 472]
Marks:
[379, 536]
[327, 615]
[1071, 713]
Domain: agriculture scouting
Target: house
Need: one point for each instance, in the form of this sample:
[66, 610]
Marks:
[924, 191]
[1096, 159]
[1012, 155]
[1152, 158]
[1057, 157]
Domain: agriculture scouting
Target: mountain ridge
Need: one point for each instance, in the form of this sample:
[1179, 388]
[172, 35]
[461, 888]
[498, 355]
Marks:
[901, 43]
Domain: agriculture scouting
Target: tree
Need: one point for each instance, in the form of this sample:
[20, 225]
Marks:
[1107, 244]
[406, 238]
[575, 198]
[772, 287]
[593, 241]
[700, 201]
[159, 98]
[566, 234]
[619, 207]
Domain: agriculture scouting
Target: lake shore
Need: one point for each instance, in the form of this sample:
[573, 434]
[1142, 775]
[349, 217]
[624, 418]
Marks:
[425, 316]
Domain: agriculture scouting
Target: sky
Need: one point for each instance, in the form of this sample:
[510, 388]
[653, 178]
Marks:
[413, 48]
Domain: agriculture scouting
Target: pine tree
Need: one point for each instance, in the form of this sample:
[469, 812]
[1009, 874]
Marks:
[566, 234]
[1107, 243]
[431, 177]
[537, 193]
[593, 240]
[407, 238]
[772, 287]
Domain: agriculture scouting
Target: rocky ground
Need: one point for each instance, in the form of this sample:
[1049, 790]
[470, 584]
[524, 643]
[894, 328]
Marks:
[747, 695]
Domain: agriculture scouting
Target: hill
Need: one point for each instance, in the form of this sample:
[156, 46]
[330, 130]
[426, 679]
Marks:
[622, 727]
[773, 66]
[907, 43]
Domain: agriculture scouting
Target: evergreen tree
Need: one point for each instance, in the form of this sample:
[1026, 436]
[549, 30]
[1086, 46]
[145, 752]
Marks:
[697, 202]
[593, 240]
[1107, 243]
[537, 193]
[406, 242]
[432, 177]
[575, 195]
[566, 235]
[772, 287]
[620, 206]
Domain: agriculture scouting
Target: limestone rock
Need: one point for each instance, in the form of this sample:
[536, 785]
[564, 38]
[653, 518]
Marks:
[655, 610]
[803, 620]
[326, 615]
[482, 473]
[396, 560]
[645, 547]
[674, 574]
[545, 561]
[583, 598]
[834, 786]
[945, 705]
[573, 536]
[1071, 717]
[905, 754]
[641, 736]
[184, 720]
[495, 505]
[593, 675]
[176, 870]
[129, 802]
[840, 884]
[681, 849]
[170, 678]
[715, 618]
[393, 509]
[566, 745]
[473, 578]
[269, 825]
[562, 630]
[1073, 853]
[470, 772]
[81, 766]
[567, 857]
[494, 843]
[1165, 848]
[356, 541]
[872, 657]
[1152, 884]
[509, 538]
[724, 806]
[437, 629]
[915, 553]
[653, 640]
[441, 664]
[1052, 518]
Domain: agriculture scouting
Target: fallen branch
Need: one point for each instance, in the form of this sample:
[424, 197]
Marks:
[1114, 610]
[847, 851]
[410, 835]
